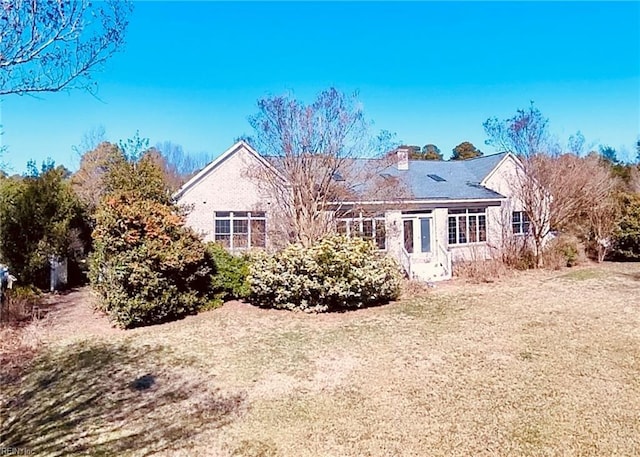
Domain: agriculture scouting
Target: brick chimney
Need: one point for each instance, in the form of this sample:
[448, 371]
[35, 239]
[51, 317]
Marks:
[403, 158]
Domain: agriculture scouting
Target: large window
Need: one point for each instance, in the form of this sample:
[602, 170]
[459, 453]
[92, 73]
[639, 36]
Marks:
[520, 222]
[237, 230]
[467, 226]
[367, 227]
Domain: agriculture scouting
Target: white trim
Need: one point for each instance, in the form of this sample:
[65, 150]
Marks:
[221, 158]
[411, 202]
[250, 217]
[359, 220]
[467, 215]
[521, 223]
[417, 234]
[495, 169]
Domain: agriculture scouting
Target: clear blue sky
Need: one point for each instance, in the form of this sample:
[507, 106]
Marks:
[191, 72]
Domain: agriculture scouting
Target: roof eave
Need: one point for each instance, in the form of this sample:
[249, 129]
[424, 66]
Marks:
[504, 159]
[221, 158]
[422, 201]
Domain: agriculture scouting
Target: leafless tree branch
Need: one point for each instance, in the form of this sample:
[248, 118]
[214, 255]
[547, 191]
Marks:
[49, 46]
[317, 151]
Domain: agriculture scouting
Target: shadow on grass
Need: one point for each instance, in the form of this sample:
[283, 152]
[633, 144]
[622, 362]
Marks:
[634, 276]
[108, 399]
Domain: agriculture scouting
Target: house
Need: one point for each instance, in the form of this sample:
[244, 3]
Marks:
[453, 210]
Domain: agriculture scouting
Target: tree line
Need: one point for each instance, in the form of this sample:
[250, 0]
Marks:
[463, 151]
[115, 222]
[590, 195]
[50, 211]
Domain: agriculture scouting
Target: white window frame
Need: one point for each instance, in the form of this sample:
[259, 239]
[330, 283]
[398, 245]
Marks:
[239, 216]
[355, 227]
[523, 224]
[466, 214]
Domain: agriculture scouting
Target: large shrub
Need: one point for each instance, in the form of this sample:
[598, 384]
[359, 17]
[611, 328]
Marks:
[335, 273]
[626, 237]
[41, 216]
[147, 267]
[230, 272]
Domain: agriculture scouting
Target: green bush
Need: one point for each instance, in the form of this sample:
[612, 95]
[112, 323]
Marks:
[40, 216]
[336, 273]
[147, 267]
[626, 237]
[230, 272]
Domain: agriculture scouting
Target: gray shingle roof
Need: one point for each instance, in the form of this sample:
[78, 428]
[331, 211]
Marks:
[462, 178]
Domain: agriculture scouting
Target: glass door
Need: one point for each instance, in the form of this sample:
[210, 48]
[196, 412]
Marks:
[408, 235]
[425, 234]
[417, 234]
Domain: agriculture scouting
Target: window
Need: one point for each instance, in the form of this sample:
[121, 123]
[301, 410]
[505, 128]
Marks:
[367, 227]
[237, 230]
[437, 178]
[520, 222]
[467, 226]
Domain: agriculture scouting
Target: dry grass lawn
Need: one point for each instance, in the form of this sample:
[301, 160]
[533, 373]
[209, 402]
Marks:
[537, 364]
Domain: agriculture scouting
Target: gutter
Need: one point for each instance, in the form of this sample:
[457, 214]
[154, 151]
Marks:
[386, 202]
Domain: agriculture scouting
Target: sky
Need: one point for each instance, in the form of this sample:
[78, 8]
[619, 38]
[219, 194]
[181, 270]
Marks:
[191, 73]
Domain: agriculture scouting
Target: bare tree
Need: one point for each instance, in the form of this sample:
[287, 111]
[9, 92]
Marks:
[48, 46]
[576, 143]
[525, 134]
[91, 139]
[602, 221]
[88, 181]
[532, 191]
[181, 162]
[314, 150]
[562, 193]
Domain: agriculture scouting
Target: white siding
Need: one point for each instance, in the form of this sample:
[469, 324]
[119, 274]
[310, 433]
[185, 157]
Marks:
[504, 180]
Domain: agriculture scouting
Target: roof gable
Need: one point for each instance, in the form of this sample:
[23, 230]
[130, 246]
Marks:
[458, 179]
[482, 167]
[240, 145]
[506, 156]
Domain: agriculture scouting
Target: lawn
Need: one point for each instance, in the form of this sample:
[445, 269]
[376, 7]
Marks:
[536, 364]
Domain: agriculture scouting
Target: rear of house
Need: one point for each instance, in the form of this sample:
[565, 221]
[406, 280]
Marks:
[453, 210]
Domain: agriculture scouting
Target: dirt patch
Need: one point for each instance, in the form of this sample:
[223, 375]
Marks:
[71, 317]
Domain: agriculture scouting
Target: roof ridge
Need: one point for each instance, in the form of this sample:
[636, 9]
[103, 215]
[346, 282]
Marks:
[487, 156]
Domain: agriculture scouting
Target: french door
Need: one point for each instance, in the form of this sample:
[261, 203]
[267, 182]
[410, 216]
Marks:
[417, 234]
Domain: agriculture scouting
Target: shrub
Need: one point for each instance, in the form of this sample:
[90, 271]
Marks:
[147, 267]
[480, 264]
[40, 216]
[18, 304]
[480, 270]
[517, 252]
[335, 273]
[626, 238]
[563, 251]
[229, 277]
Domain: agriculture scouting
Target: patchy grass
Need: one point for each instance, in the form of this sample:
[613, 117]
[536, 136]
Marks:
[536, 364]
[582, 274]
